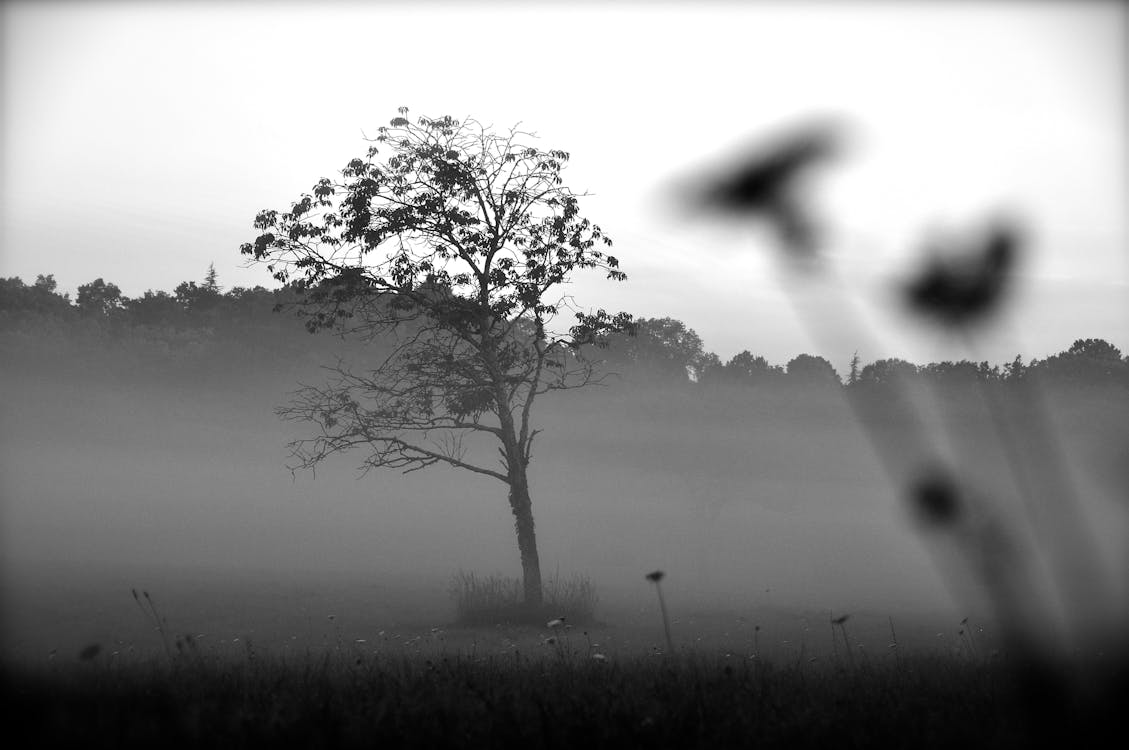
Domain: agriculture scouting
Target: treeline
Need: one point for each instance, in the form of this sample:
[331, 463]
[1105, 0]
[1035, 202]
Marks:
[665, 347]
[197, 328]
[199, 319]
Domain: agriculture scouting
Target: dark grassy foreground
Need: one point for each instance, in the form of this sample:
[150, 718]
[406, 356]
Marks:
[691, 700]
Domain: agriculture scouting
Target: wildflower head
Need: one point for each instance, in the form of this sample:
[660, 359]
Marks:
[655, 576]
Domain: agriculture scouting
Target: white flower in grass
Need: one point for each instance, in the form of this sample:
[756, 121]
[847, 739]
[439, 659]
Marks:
[599, 657]
[555, 623]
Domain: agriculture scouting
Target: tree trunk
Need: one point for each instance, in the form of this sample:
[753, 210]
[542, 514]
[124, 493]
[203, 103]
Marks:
[522, 508]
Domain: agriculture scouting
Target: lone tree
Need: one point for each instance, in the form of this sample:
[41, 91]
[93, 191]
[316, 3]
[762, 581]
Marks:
[452, 249]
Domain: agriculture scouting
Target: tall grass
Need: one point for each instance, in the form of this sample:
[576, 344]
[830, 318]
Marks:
[689, 699]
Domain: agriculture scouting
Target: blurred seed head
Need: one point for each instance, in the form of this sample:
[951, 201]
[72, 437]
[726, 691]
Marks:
[935, 497]
[763, 183]
[966, 287]
[655, 576]
[757, 181]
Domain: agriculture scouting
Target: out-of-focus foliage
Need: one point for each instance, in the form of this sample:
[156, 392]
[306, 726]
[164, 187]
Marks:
[967, 287]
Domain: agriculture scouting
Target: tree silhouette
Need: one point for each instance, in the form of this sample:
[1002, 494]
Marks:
[99, 298]
[1087, 361]
[457, 243]
[749, 369]
[1094, 349]
[660, 347]
[200, 297]
[1014, 370]
[853, 372]
[886, 371]
[806, 369]
[39, 298]
[211, 279]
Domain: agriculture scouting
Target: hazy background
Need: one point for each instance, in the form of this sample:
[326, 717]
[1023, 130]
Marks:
[126, 466]
[139, 141]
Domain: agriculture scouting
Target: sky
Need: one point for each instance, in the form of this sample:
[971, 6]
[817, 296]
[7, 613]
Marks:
[140, 139]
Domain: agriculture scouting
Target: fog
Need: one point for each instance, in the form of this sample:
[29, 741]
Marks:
[176, 482]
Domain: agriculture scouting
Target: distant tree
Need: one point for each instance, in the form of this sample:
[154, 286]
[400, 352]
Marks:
[211, 280]
[988, 372]
[39, 298]
[199, 297]
[254, 303]
[1014, 370]
[709, 369]
[745, 368]
[99, 298]
[885, 371]
[662, 347]
[964, 371]
[457, 243]
[951, 372]
[1089, 361]
[14, 294]
[806, 369]
[45, 284]
[853, 374]
[1097, 349]
[154, 309]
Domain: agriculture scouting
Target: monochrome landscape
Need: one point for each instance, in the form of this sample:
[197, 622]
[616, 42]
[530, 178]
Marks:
[478, 426]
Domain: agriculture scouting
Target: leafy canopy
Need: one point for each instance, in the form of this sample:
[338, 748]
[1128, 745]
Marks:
[457, 221]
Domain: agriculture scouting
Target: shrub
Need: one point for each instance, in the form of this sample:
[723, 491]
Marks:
[491, 600]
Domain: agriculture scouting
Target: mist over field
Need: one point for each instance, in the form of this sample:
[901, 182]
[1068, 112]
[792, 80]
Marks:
[717, 375]
[168, 475]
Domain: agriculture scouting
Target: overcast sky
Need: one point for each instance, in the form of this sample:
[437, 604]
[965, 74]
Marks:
[139, 140]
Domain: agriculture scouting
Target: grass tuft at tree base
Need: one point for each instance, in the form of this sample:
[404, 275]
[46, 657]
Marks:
[498, 600]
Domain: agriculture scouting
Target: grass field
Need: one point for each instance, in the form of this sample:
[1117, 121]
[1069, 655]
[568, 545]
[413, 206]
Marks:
[556, 699]
[374, 667]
